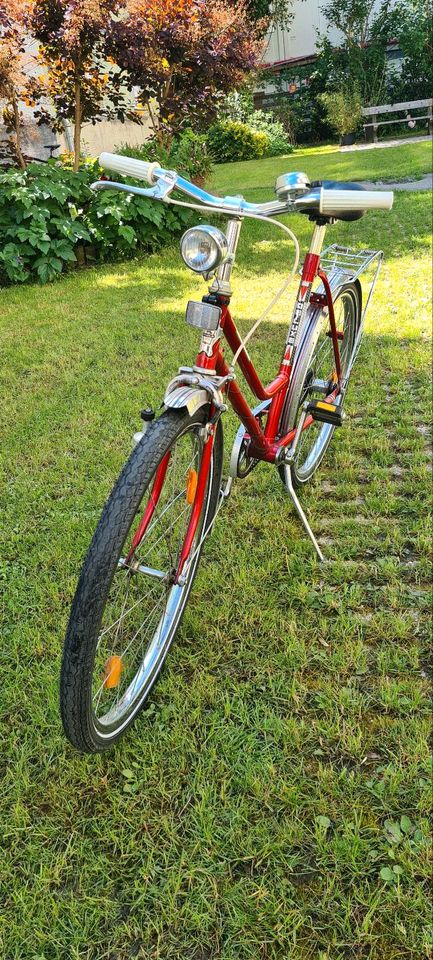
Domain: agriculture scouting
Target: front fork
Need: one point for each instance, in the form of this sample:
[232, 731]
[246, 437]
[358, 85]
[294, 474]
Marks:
[199, 496]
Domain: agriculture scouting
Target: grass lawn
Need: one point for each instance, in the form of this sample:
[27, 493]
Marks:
[410, 161]
[272, 801]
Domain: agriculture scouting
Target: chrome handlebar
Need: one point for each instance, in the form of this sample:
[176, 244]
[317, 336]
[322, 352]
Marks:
[164, 181]
[328, 202]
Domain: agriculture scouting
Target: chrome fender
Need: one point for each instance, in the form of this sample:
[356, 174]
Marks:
[185, 396]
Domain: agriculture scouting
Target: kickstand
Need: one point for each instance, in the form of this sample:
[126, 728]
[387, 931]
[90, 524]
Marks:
[291, 490]
[292, 493]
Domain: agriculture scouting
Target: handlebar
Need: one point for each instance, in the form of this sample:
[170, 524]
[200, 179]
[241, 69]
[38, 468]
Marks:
[128, 167]
[319, 200]
[333, 202]
[164, 181]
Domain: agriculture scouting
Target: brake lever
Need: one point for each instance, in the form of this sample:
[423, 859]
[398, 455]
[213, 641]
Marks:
[160, 191]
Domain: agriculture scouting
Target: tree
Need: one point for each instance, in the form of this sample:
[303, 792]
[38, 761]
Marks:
[361, 60]
[184, 55]
[78, 79]
[13, 77]
[273, 13]
[414, 32]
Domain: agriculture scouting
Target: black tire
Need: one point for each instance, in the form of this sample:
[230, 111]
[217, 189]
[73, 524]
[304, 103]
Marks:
[81, 724]
[304, 371]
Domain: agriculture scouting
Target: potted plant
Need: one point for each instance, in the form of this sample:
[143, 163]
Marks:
[343, 112]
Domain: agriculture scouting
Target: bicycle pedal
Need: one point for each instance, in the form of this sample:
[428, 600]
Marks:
[326, 412]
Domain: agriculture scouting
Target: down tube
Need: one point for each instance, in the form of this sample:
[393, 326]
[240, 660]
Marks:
[244, 412]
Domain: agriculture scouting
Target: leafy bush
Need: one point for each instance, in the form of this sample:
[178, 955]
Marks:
[343, 109]
[263, 122]
[49, 220]
[239, 107]
[187, 153]
[230, 140]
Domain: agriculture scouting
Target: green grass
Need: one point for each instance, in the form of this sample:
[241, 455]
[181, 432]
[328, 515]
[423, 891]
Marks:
[254, 812]
[410, 161]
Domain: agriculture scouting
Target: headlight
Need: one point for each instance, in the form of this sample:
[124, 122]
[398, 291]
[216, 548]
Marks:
[203, 248]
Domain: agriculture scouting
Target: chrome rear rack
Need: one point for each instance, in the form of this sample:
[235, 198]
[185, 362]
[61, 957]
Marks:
[344, 265]
[350, 263]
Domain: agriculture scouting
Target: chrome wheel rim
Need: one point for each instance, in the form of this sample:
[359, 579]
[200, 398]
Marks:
[144, 605]
[314, 441]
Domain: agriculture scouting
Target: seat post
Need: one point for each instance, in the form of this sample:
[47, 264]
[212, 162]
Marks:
[317, 239]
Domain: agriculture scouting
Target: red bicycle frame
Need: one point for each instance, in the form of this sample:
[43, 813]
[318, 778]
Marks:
[264, 443]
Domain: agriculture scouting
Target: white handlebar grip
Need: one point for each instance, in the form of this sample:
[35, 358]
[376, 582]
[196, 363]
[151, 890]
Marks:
[129, 167]
[343, 201]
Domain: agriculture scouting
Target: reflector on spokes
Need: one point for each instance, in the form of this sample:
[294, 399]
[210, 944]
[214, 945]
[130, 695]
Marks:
[113, 670]
[191, 485]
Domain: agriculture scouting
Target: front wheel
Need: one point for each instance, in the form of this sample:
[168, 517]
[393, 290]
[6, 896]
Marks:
[314, 364]
[127, 606]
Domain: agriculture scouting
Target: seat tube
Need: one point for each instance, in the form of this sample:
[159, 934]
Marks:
[309, 272]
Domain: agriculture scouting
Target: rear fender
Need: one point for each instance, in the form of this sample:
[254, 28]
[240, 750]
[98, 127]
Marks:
[337, 280]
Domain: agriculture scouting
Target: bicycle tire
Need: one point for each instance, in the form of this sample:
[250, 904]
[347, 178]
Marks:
[85, 730]
[303, 375]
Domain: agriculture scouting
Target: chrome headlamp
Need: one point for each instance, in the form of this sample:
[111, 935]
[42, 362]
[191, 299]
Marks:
[203, 248]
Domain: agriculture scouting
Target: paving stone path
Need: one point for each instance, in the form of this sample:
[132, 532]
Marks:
[426, 183]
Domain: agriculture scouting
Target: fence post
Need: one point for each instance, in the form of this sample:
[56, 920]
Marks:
[370, 130]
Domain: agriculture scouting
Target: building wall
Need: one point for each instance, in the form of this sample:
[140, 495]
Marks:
[106, 135]
[299, 40]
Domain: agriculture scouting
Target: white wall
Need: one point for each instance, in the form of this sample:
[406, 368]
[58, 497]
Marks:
[299, 40]
[106, 135]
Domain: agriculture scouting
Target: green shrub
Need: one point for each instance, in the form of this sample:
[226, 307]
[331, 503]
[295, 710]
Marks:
[187, 154]
[262, 122]
[229, 140]
[49, 220]
[239, 107]
[343, 110]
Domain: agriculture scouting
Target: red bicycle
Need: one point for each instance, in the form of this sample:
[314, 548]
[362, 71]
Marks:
[144, 555]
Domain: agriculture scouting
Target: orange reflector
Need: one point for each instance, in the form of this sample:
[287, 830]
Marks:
[112, 672]
[191, 485]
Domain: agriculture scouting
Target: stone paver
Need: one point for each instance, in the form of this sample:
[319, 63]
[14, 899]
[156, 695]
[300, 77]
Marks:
[383, 144]
[426, 183]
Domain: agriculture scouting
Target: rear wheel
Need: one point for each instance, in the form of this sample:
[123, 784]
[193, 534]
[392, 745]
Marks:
[315, 364]
[127, 606]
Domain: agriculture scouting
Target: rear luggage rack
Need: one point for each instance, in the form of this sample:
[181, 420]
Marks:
[343, 265]
[350, 263]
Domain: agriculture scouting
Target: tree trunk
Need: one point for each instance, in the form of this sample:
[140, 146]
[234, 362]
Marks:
[152, 119]
[77, 118]
[17, 127]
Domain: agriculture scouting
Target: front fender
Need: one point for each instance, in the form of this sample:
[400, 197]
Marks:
[184, 396]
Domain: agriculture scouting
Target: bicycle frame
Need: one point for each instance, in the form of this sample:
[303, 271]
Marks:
[264, 443]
